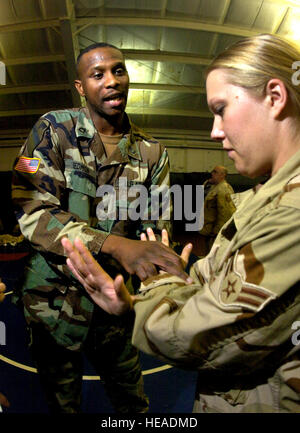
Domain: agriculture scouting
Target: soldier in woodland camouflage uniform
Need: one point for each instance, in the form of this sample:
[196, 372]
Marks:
[218, 205]
[237, 323]
[67, 157]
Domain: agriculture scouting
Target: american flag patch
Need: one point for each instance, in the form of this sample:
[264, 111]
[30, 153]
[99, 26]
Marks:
[28, 165]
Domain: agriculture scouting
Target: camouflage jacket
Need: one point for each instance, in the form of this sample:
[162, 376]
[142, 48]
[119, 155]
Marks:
[59, 185]
[237, 324]
[218, 208]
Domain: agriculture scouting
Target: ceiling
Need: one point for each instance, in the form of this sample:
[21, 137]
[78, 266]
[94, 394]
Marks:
[167, 45]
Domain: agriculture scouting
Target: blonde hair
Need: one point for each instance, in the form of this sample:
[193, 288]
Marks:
[253, 61]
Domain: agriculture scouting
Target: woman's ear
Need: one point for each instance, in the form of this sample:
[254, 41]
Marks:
[276, 96]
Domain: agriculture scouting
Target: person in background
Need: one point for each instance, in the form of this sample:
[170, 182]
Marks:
[218, 205]
[237, 323]
[68, 157]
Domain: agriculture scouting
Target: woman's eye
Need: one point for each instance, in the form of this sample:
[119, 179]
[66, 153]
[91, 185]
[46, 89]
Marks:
[220, 110]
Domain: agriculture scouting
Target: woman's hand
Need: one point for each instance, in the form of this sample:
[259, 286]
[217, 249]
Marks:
[111, 295]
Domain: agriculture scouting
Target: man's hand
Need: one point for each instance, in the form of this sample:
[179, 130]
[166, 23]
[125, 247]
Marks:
[2, 290]
[141, 258]
[186, 251]
[111, 295]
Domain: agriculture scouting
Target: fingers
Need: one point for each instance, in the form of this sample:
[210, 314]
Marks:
[165, 237]
[83, 265]
[186, 252]
[146, 270]
[152, 237]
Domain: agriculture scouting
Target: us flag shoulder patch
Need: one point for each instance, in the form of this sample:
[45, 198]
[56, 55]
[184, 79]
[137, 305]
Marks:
[28, 165]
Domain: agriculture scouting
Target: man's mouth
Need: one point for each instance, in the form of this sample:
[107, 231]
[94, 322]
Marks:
[114, 100]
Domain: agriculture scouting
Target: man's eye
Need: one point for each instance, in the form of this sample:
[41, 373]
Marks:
[98, 75]
[120, 71]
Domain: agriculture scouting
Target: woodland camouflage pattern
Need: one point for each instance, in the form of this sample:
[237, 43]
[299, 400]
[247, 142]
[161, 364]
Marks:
[234, 325]
[60, 200]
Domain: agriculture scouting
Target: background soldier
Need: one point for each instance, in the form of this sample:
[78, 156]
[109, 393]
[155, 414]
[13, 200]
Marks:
[67, 156]
[218, 205]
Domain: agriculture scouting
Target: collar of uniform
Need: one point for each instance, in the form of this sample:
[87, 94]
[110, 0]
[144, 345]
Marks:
[251, 201]
[85, 126]
[129, 143]
[129, 147]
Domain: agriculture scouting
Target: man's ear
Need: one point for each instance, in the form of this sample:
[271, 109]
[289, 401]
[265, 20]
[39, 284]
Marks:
[79, 87]
[277, 96]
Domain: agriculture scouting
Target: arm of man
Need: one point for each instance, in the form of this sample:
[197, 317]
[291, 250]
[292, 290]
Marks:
[40, 195]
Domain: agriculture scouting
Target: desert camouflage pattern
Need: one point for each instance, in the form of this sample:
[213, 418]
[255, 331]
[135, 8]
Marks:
[234, 324]
[218, 208]
[60, 199]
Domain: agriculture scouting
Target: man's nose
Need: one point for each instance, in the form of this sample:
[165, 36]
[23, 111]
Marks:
[111, 80]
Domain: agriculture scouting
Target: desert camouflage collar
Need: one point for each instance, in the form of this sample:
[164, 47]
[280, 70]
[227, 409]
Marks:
[86, 128]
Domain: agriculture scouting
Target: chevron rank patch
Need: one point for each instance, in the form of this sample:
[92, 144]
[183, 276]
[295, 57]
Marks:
[28, 165]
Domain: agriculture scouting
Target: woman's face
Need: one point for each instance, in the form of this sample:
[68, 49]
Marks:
[242, 122]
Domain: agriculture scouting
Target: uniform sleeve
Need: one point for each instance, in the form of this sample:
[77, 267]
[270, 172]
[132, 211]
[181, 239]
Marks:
[236, 316]
[40, 195]
[160, 206]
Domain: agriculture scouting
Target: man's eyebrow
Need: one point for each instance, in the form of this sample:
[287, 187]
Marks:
[100, 67]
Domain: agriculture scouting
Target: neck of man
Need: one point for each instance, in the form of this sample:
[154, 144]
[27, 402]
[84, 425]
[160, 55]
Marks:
[109, 125]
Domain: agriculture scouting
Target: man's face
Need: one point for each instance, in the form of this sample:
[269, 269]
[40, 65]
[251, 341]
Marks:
[103, 81]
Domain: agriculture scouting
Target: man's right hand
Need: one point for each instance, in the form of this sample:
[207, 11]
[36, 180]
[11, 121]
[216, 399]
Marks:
[142, 257]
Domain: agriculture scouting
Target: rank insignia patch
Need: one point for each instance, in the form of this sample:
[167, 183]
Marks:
[28, 165]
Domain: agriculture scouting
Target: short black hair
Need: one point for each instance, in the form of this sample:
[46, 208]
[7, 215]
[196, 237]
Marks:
[90, 48]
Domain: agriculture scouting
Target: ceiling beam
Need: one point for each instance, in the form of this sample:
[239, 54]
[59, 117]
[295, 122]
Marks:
[34, 59]
[33, 88]
[54, 87]
[28, 25]
[151, 55]
[131, 21]
[166, 22]
[164, 56]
